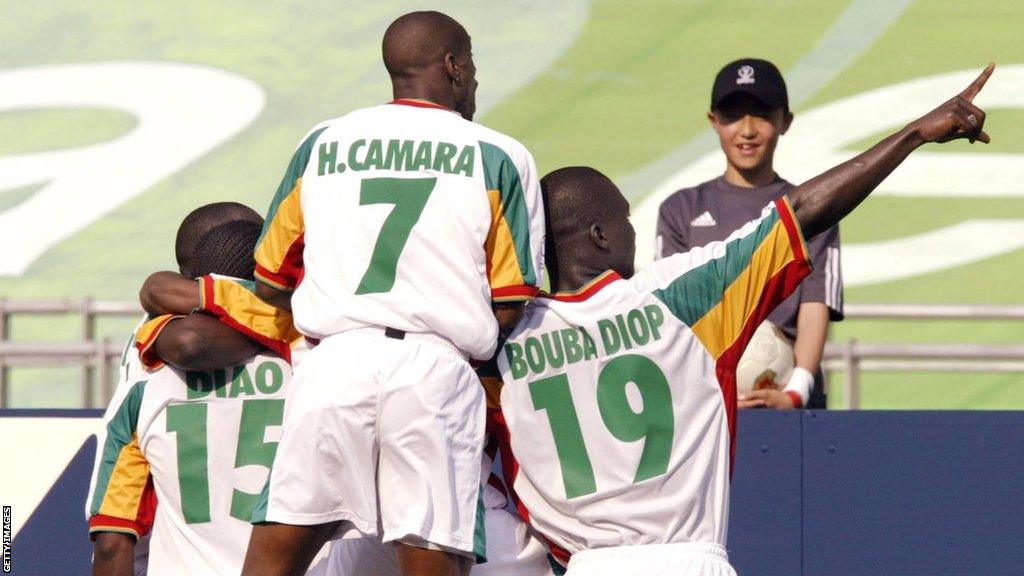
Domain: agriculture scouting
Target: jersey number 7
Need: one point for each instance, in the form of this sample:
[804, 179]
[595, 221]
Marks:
[409, 195]
[654, 423]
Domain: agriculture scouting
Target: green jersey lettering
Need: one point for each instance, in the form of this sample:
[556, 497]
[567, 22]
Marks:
[327, 158]
[269, 377]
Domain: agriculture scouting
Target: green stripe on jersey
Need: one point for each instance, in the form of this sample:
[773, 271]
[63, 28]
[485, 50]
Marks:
[696, 292]
[500, 174]
[556, 568]
[480, 530]
[296, 167]
[120, 430]
[259, 511]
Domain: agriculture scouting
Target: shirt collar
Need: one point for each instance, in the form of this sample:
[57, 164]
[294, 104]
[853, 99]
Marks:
[416, 103]
[589, 289]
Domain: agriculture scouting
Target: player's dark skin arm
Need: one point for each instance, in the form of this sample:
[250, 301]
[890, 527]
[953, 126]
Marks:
[113, 554]
[201, 343]
[169, 293]
[824, 200]
[508, 315]
[280, 299]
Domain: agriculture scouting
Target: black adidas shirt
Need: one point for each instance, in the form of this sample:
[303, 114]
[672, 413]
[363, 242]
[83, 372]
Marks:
[713, 210]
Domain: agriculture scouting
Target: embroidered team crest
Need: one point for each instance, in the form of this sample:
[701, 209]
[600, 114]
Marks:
[745, 75]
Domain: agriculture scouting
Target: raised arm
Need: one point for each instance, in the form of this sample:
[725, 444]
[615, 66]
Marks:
[826, 199]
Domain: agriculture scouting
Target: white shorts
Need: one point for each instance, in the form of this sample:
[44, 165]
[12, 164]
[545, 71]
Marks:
[512, 550]
[682, 559]
[385, 435]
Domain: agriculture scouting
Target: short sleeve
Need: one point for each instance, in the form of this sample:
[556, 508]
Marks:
[122, 497]
[825, 284]
[724, 290]
[233, 302]
[279, 258]
[515, 238]
[145, 338]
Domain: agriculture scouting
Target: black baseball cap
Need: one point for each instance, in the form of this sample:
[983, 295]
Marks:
[759, 78]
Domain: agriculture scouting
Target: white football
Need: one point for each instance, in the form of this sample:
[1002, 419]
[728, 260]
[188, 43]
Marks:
[767, 362]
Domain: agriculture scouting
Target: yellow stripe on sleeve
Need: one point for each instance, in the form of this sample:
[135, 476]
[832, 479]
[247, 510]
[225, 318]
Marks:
[127, 483]
[502, 262]
[723, 324]
[279, 252]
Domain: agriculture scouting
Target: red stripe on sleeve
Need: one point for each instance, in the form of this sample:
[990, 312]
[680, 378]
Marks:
[292, 265]
[147, 355]
[796, 236]
[509, 293]
[282, 348]
[101, 523]
[778, 288]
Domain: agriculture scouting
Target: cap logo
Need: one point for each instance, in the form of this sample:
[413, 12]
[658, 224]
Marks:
[745, 75]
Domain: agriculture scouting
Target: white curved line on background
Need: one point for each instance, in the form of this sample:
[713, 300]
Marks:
[183, 111]
[933, 251]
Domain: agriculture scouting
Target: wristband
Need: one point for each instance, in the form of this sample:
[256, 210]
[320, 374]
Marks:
[799, 386]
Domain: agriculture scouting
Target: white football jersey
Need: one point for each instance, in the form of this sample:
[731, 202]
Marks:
[620, 399]
[405, 216]
[199, 443]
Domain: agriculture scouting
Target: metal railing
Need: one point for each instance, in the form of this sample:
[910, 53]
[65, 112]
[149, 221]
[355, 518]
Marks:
[97, 357]
[852, 357]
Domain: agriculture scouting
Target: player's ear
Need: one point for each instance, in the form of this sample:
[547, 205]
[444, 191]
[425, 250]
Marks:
[451, 67]
[787, 119]
[598, 237]
[712, 118]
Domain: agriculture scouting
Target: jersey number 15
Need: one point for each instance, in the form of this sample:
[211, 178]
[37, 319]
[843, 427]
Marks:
[189, 421]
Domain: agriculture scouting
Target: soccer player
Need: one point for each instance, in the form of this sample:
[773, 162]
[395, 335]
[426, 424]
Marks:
[192, 228]
[628, 382]
[397, 236]
[749, 111]
[194, 441]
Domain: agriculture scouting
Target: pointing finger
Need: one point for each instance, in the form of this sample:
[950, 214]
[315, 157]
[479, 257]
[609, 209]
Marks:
[971, 91]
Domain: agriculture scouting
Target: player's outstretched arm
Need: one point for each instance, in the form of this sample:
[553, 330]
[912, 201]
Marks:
[825, 199]
[169, 293]
[113, 554]
[201, 343]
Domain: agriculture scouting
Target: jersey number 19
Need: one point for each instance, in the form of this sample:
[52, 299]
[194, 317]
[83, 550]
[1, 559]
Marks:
[654, 422]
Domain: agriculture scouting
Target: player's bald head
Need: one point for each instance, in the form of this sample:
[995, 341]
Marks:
[202, 220]
[419, 41]
[588, 221]
[578, 196]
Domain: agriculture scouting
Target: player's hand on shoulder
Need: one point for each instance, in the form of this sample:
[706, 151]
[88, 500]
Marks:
[766, 398]
[956, 118]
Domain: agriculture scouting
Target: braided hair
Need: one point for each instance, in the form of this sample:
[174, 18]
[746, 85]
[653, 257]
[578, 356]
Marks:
[202, 220]
[228, 250]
